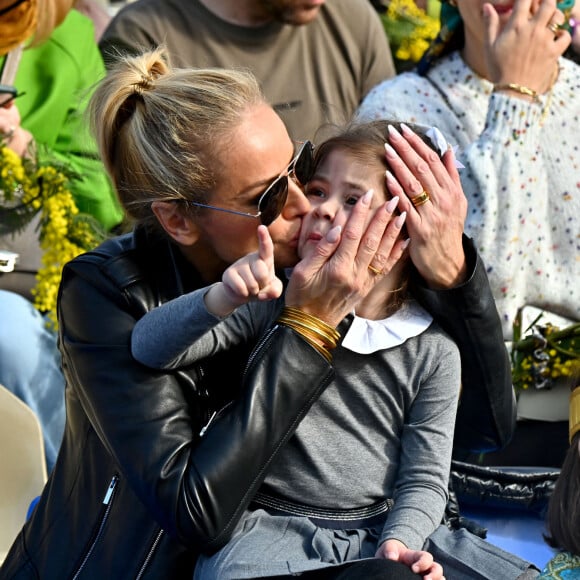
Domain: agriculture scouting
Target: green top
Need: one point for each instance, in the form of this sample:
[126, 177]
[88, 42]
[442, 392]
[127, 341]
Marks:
[57, 78]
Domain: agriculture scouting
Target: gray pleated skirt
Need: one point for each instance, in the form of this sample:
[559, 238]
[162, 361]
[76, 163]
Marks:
[270, 545]
[274, 545]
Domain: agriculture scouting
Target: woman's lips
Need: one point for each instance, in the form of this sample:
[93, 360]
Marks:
[293, 243]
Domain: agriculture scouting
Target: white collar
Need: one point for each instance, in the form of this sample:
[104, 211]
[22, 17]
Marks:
[367, 336]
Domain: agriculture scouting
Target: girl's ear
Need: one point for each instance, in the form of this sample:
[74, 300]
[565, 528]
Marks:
[180, 227]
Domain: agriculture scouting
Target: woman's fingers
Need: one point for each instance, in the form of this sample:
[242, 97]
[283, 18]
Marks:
[378, 239]
[389, 250]
[435, 227]
[548, 12]
[526, 50]
[346, 264]
[522, 9]
[419, 151]
[415, 165]
[491, 19]
[437, 176]
[354, 231]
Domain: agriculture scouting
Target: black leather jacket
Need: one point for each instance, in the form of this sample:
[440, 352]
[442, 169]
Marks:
[486, 417]
[137, 491]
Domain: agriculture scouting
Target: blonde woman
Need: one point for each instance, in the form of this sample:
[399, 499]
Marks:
[156, 466]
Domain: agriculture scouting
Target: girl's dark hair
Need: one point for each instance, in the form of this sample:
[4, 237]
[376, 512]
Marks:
[563, 518]
[364, 140]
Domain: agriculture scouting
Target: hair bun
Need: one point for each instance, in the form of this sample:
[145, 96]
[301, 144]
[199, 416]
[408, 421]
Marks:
[144, 84]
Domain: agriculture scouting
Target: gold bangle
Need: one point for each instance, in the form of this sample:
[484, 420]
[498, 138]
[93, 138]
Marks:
[303, 329]
[308, 331]
[316, 332]
[323, 350]
[329, 334]
[574, 412]
[518, 89]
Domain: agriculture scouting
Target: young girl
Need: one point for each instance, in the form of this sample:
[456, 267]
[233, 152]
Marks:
[366, 473]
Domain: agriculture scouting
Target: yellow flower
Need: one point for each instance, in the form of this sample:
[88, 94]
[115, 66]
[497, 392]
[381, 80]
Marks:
[409, 28]
[545, 354]
[31, 188]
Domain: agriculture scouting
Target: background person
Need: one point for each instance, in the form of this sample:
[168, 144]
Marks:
[49, 54]
[315, 60]
[520, 190]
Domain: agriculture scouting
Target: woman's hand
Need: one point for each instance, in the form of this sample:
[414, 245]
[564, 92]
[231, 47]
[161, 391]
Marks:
[526, 50]
[435, 227]
[252, 277]
[419, 561]
[15, 137]
[346, 265]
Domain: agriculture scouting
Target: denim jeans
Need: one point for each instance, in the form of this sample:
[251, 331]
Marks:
[30, 367]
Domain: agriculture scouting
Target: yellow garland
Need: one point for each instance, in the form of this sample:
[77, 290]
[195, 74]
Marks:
[63, 234]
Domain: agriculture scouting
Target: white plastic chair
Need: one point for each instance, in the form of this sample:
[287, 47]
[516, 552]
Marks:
[22, 465]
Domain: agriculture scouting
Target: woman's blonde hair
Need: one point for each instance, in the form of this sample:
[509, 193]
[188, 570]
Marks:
[159, 131]
[51, 13]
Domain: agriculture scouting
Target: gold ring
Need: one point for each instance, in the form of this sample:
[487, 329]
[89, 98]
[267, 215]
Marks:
[420, 199]
[374, 270]
[555, 28]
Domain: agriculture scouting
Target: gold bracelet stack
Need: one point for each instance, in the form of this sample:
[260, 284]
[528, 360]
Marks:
[574, 412]
[316, 332]
[518, 89]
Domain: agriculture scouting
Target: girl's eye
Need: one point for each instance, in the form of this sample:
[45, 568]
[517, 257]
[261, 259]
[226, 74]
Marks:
[351, 200]
[315, 192]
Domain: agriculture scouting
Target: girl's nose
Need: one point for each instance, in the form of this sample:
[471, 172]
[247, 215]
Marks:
[326, 209]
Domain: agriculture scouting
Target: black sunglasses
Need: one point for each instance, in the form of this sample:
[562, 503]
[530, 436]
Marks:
[271, 202]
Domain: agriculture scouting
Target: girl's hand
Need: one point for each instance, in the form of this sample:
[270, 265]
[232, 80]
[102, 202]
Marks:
[346, 265]
[526, 50]
[435, 227]
[419, 561]
[252, 277]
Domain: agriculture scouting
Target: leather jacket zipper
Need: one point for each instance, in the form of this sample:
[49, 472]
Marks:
[149, 554]
[215, 415]
[106, 502]
[204, 428]
[258, 346]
